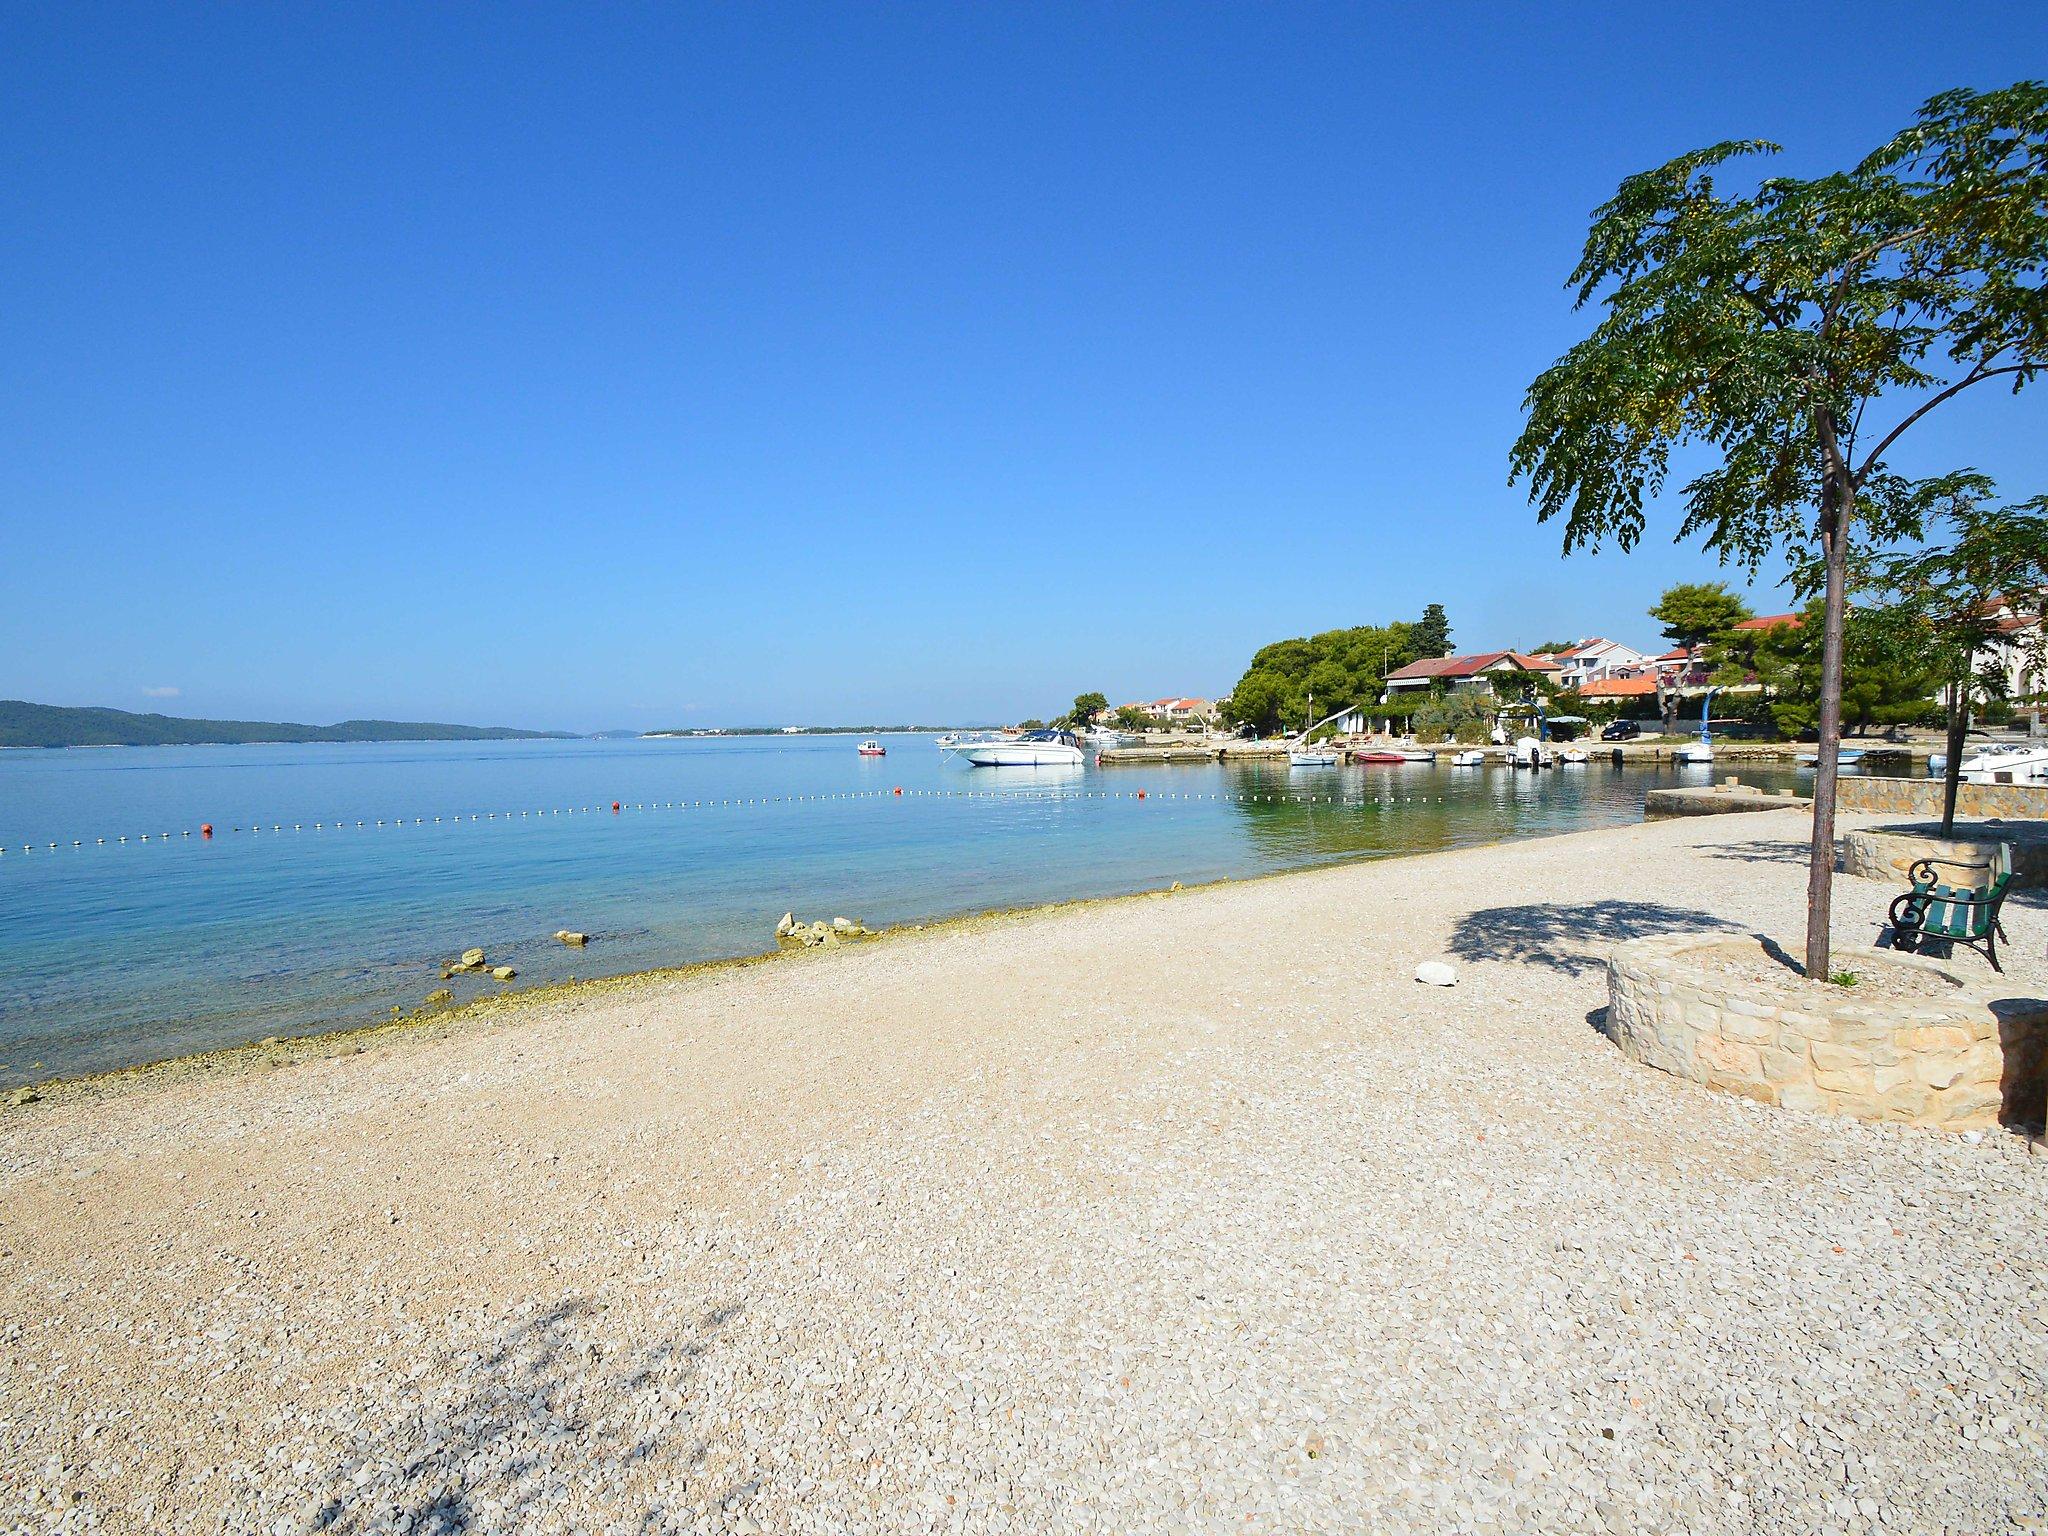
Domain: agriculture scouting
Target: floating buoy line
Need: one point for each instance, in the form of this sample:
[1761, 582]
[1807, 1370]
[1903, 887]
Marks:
[207, 832]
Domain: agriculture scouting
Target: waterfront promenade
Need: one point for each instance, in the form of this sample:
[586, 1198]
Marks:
[1188, 1212]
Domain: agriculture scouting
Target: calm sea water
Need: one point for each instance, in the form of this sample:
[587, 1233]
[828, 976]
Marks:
[129, 952]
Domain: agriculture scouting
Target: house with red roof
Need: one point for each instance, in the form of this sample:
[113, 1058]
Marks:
[1476, 672]
[1591, 660]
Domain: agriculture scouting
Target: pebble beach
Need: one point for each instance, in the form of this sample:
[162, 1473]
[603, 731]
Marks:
[1187, 1212]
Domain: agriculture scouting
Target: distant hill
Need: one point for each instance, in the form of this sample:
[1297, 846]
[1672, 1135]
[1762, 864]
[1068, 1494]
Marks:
[50, 725]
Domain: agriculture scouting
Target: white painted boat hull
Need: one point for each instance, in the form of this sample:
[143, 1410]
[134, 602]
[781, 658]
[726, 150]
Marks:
[1022, 754]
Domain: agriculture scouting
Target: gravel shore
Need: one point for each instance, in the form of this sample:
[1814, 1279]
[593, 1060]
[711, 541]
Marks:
[1190, 1213]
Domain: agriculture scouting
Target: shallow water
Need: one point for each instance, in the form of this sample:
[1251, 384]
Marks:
[118, 953]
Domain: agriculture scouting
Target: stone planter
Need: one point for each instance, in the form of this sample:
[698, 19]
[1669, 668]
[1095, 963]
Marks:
[1960, 1061]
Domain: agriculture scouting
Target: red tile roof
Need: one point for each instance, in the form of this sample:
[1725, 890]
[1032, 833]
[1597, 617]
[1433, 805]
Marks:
[1770, 621]
[1467, 666]
[1618, 688]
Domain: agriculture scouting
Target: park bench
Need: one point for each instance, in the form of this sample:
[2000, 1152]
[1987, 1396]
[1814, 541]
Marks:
[1935, 916]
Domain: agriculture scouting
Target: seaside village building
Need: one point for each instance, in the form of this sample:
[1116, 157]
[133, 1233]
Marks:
[1475, 673]
[2019, 654]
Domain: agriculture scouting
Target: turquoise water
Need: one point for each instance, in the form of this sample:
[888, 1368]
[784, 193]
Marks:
[121, 953]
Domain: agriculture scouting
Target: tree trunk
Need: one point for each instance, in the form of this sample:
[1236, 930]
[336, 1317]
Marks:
[1958, 727]
[1836, 519]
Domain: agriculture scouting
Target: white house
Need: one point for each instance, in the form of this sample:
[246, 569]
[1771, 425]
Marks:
[1597, 660]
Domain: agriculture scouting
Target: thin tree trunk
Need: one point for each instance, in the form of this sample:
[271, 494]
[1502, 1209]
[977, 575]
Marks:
[1820, 873]
[1958, 727]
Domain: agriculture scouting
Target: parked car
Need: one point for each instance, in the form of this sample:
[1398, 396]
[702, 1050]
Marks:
[1621, 730]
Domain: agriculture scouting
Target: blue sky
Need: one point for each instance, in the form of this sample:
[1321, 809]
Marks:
[630, 366]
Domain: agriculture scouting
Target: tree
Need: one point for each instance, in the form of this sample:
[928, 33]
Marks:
[1432, 632]
[1798, 331]
[1994, 556]
[1031, 725]
[1129, 717]
[1888, 675]
[1337, 668]
[1695, 612]
[1086, 707]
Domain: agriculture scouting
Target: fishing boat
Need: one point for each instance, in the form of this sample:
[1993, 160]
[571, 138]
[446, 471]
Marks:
[1471, 757]
[1032, 749]
[1311, 757]
[872, 748]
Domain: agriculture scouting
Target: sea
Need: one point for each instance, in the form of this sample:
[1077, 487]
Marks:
[339, 878]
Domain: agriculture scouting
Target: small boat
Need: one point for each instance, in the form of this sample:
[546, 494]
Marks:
[1846, 757]
[1573, 756]
[1033, 749]
[1471, 757]
[949, 740]
[1378, 755]
[1311, 757]
[1701, 752]
[872, 748]
[1417, 755]
[1528, 753]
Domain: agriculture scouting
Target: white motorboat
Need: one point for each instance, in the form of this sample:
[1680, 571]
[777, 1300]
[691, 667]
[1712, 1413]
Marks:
[1416, 755]
[1471, 757]
[1033, 749]
[1528, 753]
[1574, 756]
[2007, 764]
[1100, 736]
[948, 740]
[1311, 757]
[872, 748]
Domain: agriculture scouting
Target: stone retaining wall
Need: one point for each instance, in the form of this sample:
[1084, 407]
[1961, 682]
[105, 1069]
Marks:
[1889, 853]
[1922, 797]
[1960, 1062]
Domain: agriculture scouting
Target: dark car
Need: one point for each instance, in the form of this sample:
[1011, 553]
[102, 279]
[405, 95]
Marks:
[1621, 730]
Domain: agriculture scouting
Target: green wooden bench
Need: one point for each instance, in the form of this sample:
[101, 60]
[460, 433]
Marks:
[1934, 916]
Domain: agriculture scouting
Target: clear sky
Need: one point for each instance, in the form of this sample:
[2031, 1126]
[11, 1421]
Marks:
[615, 366]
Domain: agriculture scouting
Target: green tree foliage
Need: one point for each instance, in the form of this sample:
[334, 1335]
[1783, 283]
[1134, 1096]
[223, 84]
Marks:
[1086, 707]
[1888, 670]
[1337, 668]
[1432, 632]
[1952, 590]
[1695, 612]
[1796, 330]
[1129, 717]
[1459, 715]
[1031, 725]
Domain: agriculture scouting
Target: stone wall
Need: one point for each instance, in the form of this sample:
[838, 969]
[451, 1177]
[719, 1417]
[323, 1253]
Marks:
[1922, 797]
[1889, 853]
[1959, 1062]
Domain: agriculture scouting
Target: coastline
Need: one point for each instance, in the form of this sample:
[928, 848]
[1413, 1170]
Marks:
[426, 1024]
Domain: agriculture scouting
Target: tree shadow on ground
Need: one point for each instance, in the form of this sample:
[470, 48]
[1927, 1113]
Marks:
[1571, 939]
[482, 1452]
[1762, 850]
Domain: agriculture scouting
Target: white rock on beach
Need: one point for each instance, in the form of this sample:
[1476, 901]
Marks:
[1436, 974]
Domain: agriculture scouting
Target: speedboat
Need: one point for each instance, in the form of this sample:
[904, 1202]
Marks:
[2007, 764]
[872, 748]
[1471, 757]
[948, 740]
[1311, 757]
[1695, 752]
[1033, 749]
[1528, 753]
